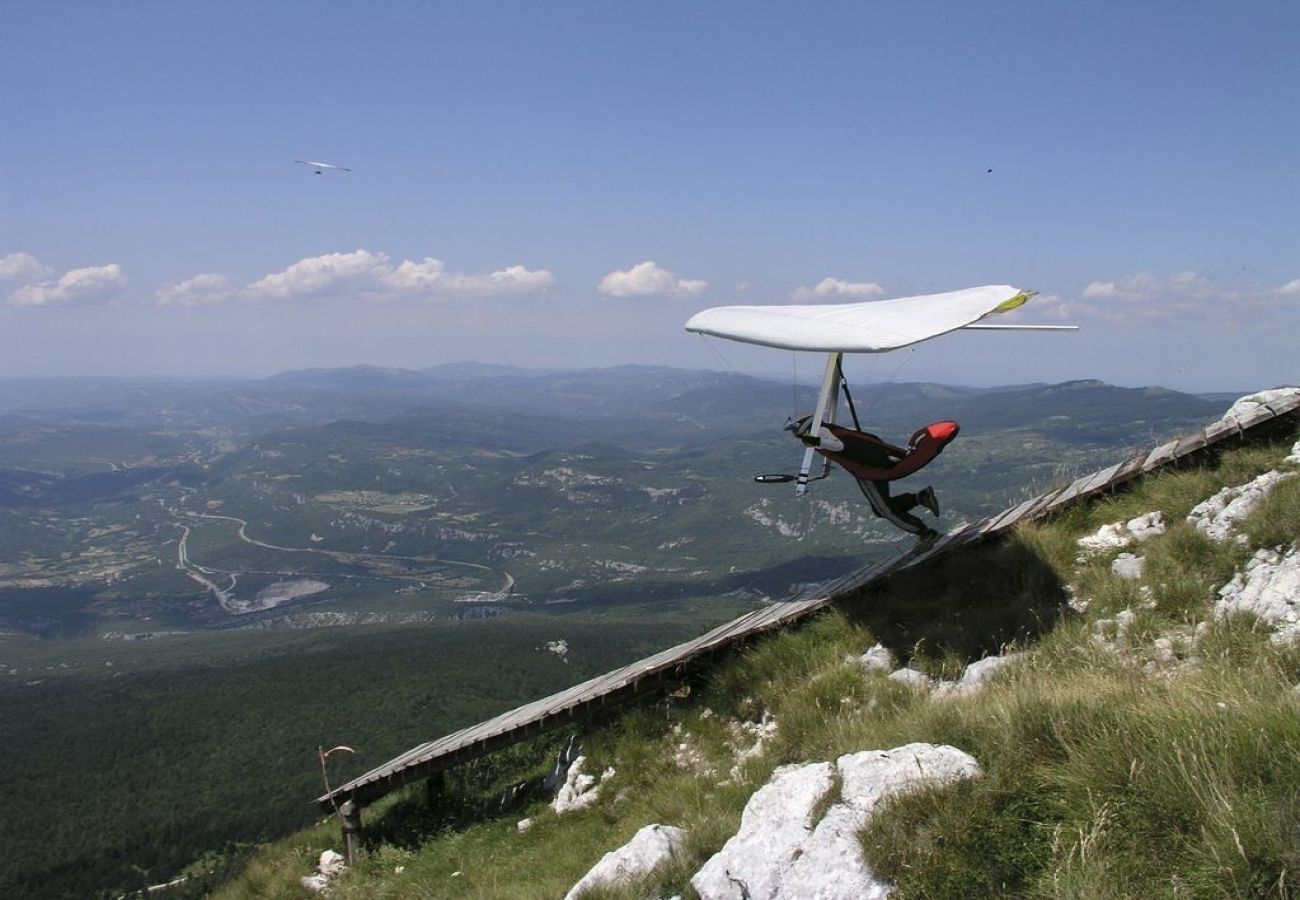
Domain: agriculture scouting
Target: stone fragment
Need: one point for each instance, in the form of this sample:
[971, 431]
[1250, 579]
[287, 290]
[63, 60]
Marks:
[1128, 566]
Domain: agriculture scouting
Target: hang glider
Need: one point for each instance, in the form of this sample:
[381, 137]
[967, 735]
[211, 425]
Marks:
[872, 327]
[322, 167]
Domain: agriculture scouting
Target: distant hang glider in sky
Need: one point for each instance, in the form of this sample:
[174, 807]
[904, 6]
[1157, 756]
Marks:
[322, 167]
[876, 326]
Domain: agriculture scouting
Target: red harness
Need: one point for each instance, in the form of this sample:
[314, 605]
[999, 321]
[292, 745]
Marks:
[868, 458]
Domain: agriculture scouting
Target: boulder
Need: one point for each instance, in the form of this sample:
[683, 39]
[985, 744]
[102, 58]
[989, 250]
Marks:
[774, 827]
[651, 847]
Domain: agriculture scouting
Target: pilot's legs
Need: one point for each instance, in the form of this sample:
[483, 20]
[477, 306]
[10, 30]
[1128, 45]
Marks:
[895, 510]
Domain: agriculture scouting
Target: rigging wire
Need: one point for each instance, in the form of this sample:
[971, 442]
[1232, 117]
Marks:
[890, 381]
[741, 380]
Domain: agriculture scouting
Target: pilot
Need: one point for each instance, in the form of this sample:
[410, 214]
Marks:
[874, 463]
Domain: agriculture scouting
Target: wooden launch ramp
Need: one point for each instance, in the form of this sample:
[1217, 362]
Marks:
[654, 675]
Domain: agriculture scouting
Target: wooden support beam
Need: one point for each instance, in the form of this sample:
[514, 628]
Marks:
[350, 814]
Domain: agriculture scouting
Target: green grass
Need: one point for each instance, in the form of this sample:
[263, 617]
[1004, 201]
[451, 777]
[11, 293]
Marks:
[1106, 774]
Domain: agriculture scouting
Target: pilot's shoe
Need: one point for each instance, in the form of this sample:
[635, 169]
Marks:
[927, 499]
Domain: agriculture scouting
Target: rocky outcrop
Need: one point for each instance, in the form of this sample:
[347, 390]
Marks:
[1218, 516]
[797, 839]
[1269, 588]
[579, 789]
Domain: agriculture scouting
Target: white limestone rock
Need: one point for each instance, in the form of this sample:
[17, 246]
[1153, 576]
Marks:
[1218, 516]
[774, 827]
[876, 659]
[978, 673]
[578, 791]
[823, 860]
[1146, 526]
[1113, 634]
[330, 866]
[1107, 537]
[742, 734]
[1128, 566]
[651, 847]
[1294, 457]
[1121, 534]
[1270, 588]
[913, 678]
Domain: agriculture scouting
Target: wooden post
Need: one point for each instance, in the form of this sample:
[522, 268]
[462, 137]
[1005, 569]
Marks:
[350, 813]
[435, 787]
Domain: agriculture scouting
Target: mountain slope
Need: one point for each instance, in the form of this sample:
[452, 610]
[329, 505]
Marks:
[1142, 746]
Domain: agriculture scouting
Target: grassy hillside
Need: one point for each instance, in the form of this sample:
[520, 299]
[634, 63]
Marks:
[1162, 761]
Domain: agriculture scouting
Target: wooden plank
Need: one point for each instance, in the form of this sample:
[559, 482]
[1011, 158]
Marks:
[1042, 504]
[1189, 445]
[1225, 428]
[1129, 469]
[1254, 417]
[1285, 405]
[1069, 493]
[1160, 456]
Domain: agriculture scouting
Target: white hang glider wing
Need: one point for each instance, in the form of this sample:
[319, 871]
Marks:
[872, 327]
[875, 326]
[322, 167]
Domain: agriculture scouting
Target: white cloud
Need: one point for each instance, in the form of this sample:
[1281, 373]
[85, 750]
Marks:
[20, 266]
[328, 274]
[371, 274]
[1290, 289]
[76, 287]
[835, 288]
[431, 278]
[196, 291]
[1144, 297]
[649, 280]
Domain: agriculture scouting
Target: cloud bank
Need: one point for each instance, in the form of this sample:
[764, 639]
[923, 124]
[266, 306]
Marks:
[76, 287]
[1186, 296]
[364, 272]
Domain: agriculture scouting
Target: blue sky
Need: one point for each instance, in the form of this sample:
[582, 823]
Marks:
[564, 184]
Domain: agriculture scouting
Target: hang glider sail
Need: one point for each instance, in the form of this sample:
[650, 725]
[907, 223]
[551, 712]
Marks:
[321, 167]
[872, 327]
